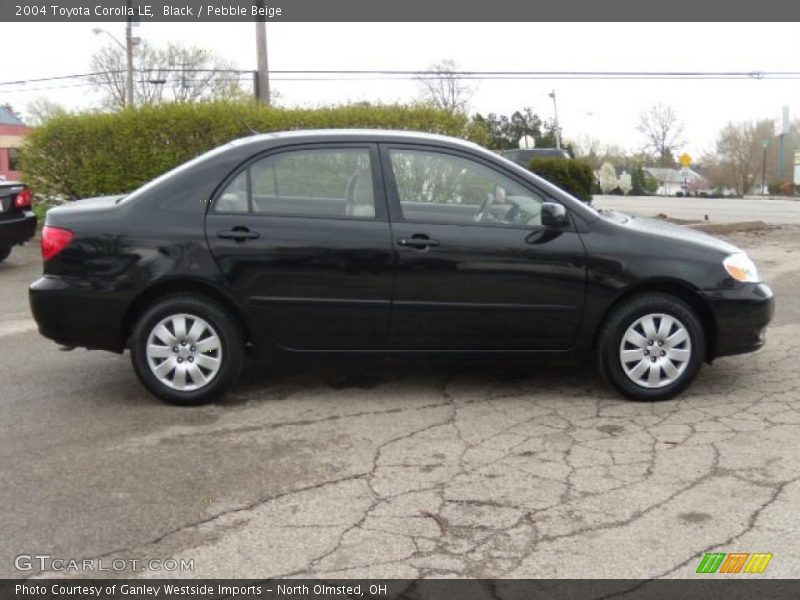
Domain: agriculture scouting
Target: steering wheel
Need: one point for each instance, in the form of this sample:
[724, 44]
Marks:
[484, 209]
[511, 214]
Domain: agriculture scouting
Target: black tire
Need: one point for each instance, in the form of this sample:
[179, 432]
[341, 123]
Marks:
[4, 252]
[610, 363]
[231, 342]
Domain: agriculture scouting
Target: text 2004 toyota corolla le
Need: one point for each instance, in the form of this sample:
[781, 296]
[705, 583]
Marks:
[384, 242]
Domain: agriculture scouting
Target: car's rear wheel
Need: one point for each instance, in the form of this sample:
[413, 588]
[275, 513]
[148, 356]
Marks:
[187, 350]
[651, 347]
[4, 252]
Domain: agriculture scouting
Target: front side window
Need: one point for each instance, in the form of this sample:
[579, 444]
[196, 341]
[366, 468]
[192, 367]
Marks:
[445, 188]
[317, 183]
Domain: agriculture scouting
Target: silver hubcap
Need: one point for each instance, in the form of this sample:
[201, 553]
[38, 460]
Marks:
[184, 352]
[655, 350]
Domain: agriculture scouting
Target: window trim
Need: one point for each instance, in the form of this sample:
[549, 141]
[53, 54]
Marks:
[395, 204]
[378, 188]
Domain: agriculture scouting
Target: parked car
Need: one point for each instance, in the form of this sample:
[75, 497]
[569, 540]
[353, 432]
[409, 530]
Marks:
[17, 219]
[523, 156]
[384, 242]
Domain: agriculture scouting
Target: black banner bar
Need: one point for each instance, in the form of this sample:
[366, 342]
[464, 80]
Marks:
[706, 587]
[407, 10]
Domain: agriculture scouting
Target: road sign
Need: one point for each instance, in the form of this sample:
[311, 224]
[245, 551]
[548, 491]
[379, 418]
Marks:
[685, 160]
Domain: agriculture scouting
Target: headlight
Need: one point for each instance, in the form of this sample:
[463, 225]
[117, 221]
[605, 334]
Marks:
[741, 268]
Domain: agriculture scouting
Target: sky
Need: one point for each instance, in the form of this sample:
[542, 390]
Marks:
[606, 110]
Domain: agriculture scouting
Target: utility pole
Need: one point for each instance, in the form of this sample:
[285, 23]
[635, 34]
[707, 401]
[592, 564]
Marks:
[129, 55]
[764, 143]
[555, 113]
[262, 75]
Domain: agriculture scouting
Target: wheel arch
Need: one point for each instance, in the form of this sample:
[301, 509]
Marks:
[152, 294]
[680, 290]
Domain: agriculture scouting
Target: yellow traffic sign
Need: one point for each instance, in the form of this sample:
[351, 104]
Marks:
[685, 160]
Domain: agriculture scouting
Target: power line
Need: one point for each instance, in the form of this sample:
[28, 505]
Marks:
[382, 74]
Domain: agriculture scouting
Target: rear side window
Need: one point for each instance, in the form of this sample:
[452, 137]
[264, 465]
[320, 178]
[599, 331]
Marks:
[234, 198]
[317, 183]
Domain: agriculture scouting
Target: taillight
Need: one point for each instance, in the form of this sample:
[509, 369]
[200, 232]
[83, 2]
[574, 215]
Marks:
[23, 199]
[54, 240]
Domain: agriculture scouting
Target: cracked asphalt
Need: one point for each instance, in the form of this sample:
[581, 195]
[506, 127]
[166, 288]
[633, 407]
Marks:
[396, 469]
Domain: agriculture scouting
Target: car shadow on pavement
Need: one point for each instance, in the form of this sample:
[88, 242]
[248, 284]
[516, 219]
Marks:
[264, 381]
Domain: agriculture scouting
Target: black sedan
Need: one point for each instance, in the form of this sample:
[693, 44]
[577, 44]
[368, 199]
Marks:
[384, 242]
[17, 219]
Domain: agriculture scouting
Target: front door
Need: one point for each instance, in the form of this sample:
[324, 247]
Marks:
[476, 270]
[302, 236]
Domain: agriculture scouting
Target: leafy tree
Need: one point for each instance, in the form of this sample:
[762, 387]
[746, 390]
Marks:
[506, 131]
[650, 183]
[637, 180]
[607, 178]
[571, 175]
[624, 182]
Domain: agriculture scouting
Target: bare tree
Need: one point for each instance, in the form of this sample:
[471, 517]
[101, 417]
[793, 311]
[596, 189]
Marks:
[177, 73]
[42, 109]
[738, 160]
[663, 132]
[442, 87]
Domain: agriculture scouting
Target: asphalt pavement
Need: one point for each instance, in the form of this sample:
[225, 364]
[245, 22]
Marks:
[400, 468]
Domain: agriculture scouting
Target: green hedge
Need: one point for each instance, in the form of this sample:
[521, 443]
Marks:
[92, 154]
[571, 175]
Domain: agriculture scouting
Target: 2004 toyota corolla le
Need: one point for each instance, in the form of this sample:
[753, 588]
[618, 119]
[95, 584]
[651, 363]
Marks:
[384, 241]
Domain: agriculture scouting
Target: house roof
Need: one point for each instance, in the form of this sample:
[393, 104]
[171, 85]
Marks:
[665, 175]
[9, 118]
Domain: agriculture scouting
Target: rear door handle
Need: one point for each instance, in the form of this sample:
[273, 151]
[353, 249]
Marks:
[417, 241]
[238, 234]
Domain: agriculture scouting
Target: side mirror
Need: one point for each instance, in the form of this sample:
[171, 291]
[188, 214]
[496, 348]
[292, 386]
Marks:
[553, 214]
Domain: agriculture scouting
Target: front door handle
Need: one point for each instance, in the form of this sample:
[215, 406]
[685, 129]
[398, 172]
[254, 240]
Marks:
[238, 234]
[418, 241]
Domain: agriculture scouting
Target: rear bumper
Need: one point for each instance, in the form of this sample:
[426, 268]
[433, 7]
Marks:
[17, 231]
[76, 313]
[742, 316]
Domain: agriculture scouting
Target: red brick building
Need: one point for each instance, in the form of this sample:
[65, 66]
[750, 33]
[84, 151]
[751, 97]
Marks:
[12, 132]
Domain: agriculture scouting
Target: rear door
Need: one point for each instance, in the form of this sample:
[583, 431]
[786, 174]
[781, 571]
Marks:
[301, 234]
[476, 269]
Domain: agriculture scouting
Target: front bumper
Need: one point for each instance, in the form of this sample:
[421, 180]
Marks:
[76, 313]
[742, 315]
[18, 230]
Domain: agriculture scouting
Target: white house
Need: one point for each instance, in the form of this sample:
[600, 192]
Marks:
[673, 181]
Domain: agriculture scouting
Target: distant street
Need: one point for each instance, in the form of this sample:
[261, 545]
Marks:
[719, 210]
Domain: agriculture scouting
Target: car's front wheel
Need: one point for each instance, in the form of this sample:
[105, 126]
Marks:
[651, 347]
[4, 252]
[187, 350]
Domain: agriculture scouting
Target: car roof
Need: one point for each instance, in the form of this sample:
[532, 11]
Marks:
[375, 135]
